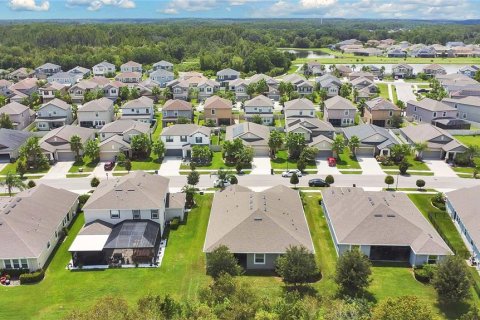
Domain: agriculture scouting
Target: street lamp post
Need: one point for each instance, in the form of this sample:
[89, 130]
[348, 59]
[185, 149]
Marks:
[396, 186]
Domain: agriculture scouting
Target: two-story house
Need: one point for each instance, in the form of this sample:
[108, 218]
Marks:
[300, 84]
[46, 70]
[313, 68]
[218, 110]
[163, 65]
[239, 86]
[402, 71]
[469, 71]
[20, 74]
[339, 111]
[426, 110]
[5, 88]
[131, 66]
[54, 114]
[433, 70]
[173, 110]
[299, 108]
[317, 133]
[206, 88]
[20, 115]
[80, 72]
[115, 137]
[96, 113]
[180, 89]
[224, 76]
[162, 77]
[129, 77]
[179, 139]
[104, 69]
[380, 111]
[141, 109]
[26, 86]
[259, 106]
[77, 91]
[48, 92]
[111, 90]
[468, 107]
[329, 83]
[56, 143]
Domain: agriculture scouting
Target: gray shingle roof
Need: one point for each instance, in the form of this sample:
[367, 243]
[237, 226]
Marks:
[299, 104]
[13, 108]
[102, 104]
[339, 103]
[11, 140]
[123, 125]
[381, 104]
[370, 134]
[57, 103]
[184, 130]
[259, 101]
[251, 133]
[431, 105]
[228, 71]
[176, 104]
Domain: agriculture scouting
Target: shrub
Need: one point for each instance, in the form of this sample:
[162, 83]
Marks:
[462, 160]
[425, 273]
[438, 201]
[33, 277]
[82, 199]
[14, 273]
[31, 184]
[403, 167]
[174, 223]
[233, 180]
[420, 183]
[94, 182]
[329, 179]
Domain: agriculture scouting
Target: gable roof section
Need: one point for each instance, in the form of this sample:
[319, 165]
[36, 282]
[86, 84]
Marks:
[425, 132]
[13, 108]
[65, 133]
[178, 105]
[371, 135]
[215, 102]
[185, 130]
[259, 101]
[57, 103]
[124, 125]
[102, 104]
[11, 140]
[142, 102]
[260, 132]
[431, 105]
[339, 103]
[299, 104]
[381, 104]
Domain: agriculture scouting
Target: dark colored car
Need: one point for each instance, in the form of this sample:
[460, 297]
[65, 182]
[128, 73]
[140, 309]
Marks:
[317, 183]
[109, 165]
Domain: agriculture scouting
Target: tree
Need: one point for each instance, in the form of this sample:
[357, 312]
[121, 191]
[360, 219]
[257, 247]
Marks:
[353, 272]
[222, 261]
[420, 183]
[193, 178]
[257, 119]
[345, 90]
[94, 182]
[297, 266]
[201, 154]
[141, 145]
[189, 191]
[403, 167]
[338, 145]
[471, 152]
[92, 150]
[128, 165]
[5, 121]
[452, 280]
[308, 154]
[477, 76]
[3, 100]
[275, 142]
[21, 167]
[158, 149]
[389, 181]
[12, 181]
[76, 146]
[396, 121]
[353, 144]
[301, 165]
[295, 144]
[329, 179]
[33, 154]
[402, 308]
[294, 179]
[419, 148]
[399, 151]
[233, 179]
[31, 184]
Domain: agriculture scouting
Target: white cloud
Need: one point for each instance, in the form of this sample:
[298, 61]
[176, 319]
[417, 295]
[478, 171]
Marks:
[169, 11]
[313, 4]
[29, 5]
[190, 5]
[94, 5]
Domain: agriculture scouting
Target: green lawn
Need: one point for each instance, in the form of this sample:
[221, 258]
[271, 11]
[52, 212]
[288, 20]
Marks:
[346, 160]
[426, 173]
[77, 175]
[12, 168]
[217, 163]
[394, 93]
[383, 87]
[416, 165]
[469, 140]
[182, 274]
[147, 164]
[282, 162]
[85, 164]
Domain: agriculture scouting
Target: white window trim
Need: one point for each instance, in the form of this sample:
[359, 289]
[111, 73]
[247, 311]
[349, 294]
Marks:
[255, 258]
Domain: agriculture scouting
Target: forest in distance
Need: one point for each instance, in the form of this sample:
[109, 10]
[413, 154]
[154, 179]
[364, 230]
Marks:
[249, 46]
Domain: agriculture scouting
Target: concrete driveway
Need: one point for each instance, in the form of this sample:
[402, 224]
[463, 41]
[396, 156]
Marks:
[261, 165]
[323, 167]
[59, 170]
[440, 168]
[404, 91]
[370, 166]
[170, 166]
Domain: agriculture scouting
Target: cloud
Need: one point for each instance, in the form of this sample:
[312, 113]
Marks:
[94, 5]
[29, 5]
[309, 4]
[169, 11]
[175, 6]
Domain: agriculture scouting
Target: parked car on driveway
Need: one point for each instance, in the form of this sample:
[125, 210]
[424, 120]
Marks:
[317, 183]
[332, 162]
[289, 173]
[109, 165]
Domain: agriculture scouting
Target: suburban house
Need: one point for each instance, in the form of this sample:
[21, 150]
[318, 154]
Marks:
[301, 107]
[251, 134]
[80, 72]
[20, 74]
[462, 206]
[434, 69]
[180, 89]
[339, 111]
[96, 113]
[426, 110]
[179, 139]
[46, 70]
[257, 227]
[54, 114]
[26, 86]
[32, 224]
[379, 111]
[173, 110]
[376, 71]
[343, 71]
[141, 109]
[129, 77]
[300, 84]
[330, 83]
[56, 143]
[259, 106]
[206, 88]
[317, 133]
[224, 76]
[115, 137]
[219, 110]
[10, 143]
[402, 71]
[239, 86]
[469, 71]
[48, 91]
[163, 65]
[162, 77]
[374, 140]
[384, 226]
[104, 69]
[131, 66]
[125, 219]
[348, 43]
[77, 91]
[5, 88]
[65, 78]
[272, 84]
[365, 87]
[468, 107]
[20, 115]
[313, 68]
[440, 143]
[361, 74]
[424, 52]
[111, 90]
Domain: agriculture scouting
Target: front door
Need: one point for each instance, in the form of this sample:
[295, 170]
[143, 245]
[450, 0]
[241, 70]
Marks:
[136, 214]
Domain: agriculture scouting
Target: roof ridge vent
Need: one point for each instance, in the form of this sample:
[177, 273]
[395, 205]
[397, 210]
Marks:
[378, 215]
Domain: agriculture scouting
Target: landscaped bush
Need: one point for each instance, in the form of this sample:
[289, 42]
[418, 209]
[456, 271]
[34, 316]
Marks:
[174, 223]
[14, 273]
[34, 277]
[462, 160]
[82, 200]
[425, 273]
[438, 201]
[385, 161]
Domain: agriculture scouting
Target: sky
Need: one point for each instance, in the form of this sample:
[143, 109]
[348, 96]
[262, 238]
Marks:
[239, 9]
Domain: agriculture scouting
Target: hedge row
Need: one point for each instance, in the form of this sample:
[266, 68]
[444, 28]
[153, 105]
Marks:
[14, 273]
[33, 277]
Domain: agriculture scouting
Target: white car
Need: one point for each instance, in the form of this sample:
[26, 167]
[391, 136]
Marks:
[289, 173]
[218, 183]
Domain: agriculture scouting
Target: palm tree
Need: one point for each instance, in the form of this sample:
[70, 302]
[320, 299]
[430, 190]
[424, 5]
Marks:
[419, 148]
[76, 146]
[275, 142]
[12, 181]
[338, 145]
[353, 144]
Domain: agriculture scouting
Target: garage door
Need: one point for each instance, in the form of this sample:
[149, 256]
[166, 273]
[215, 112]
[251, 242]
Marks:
[261, 151]
[431, 154]
[324, 154]
[108, 156]
[4, 158]
[365, 152]
[66, 156]
[174, 152]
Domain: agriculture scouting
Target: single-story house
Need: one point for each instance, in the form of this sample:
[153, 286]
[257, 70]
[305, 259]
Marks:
[257, 227]
[56, 143]
[179, 139]
[384, 226]
[10, 143]
[374, 140]
[251, 134]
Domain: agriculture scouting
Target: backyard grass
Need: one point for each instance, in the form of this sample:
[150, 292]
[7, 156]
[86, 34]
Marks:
[383, 87]
[425, 173]
[147, 164]
[469, 140]
[394, 93]
[282, 162]
[351, 171]
[347, 161]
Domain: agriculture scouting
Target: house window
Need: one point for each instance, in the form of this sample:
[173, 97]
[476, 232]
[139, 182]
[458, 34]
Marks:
[154, 214]
[48, 244]
[311, 113]
[96, 114]
[444, 114]
[147, 111]
[213, 111]
[434, 114]
[114, 214]
[390, 113]
[415, 109]
[136, 214]
[259, 258]
[300, 112]
[464, 116]
[346, 112]
[16, 264]
[56, 234]
[389, 122]
[183, 138]
[432, 259]
[24, 263]
[169, 139]
[8, 264]
[198, 140]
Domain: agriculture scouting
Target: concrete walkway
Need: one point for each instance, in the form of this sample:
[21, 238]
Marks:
[440, 168]
[170, 166]
[261, 165]
[390, 92]
[59, 170]
[404, 91]
[370, 166]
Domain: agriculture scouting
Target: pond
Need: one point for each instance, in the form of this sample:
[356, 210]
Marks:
[308, 54]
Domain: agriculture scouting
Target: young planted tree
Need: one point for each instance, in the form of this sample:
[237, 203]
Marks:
[338, 145]
[158, 148]
[76, 146]
[420, 184]
[193, 178]
[33, 154]
[452, 279]
[353, 272]
[94, 182]
[257, 119]
[221, 261]
[128, 165]
[329, 179]
[297, 266]
[353, 144]
[389, 181]
[92, 150]
[141, 145]
[403, 167]
[21, 167]
[5, 121]
[294, 179]
[275, 142]
[31, 184]
[12, 181]
[295, 144]
[419, 148]
[189, 191]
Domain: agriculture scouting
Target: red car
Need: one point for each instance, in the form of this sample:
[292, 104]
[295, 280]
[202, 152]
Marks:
[109, 165]
[332, 162]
